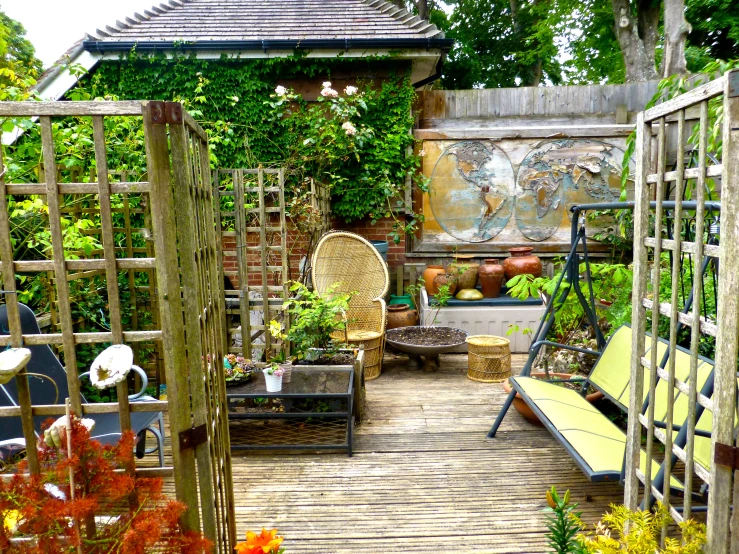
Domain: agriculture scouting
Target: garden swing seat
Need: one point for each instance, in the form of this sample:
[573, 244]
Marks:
[595, 443]
[49, 386]
[347, 263]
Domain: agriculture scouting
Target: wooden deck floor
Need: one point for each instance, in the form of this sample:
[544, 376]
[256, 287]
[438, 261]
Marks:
[423, 477]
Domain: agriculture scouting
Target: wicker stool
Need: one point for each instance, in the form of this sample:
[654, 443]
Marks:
[489, 358]
[372, 342]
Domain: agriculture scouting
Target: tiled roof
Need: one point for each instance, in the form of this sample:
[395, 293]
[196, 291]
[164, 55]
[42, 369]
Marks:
[197, 21]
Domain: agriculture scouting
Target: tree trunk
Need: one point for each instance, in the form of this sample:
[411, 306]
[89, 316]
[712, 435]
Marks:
[399, 3]
[531, 75]
[637, 37]
[676, 32]
[423, 9]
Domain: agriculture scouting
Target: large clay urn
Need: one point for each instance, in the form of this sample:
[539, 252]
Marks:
[428, 278]
[401, 315]
[491, 275]
[522, 261]
[465, 270]
[446, 279]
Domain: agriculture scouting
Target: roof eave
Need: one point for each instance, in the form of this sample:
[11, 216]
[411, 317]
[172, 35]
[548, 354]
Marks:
[103, 46]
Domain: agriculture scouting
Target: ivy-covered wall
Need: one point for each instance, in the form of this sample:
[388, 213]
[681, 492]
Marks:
[230, 98]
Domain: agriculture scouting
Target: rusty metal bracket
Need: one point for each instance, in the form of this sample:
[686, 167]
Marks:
[726, 455]
[734, 84]
[173, 113]
[191, 438]
[166, 112]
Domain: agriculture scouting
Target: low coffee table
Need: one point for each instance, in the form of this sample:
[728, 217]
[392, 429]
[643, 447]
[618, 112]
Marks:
[311, 412]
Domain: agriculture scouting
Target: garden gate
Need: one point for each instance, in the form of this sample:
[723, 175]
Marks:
[667, 121]
[187, 266]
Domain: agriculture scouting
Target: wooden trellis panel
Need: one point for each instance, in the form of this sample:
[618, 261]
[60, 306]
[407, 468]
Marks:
[649, 242]
[185, 265]
[256, 219]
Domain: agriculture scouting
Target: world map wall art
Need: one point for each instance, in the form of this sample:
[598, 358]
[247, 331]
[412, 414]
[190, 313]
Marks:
[479, 197]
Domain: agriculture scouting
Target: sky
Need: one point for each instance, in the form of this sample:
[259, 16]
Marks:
[53, 26]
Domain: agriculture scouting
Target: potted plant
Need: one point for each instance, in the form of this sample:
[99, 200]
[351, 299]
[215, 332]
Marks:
[273, 377]
[315, 322]
[237, 369]
[428, 340]
[281, 359]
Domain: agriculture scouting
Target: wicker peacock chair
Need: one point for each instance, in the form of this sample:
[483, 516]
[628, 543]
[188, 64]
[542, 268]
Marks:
[352, 264]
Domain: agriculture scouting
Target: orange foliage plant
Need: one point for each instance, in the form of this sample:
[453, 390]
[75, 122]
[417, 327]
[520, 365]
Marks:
[110, 512]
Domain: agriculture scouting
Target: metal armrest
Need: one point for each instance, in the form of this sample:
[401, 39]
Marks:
[144, 383]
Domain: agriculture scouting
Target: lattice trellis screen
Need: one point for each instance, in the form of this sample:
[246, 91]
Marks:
[702, 401]
[185, 265]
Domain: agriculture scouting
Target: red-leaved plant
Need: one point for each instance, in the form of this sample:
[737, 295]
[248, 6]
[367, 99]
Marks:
[133, 515]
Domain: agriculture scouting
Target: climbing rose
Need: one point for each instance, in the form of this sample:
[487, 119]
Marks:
[329, 92]
[350, 90]
[349, 128]
[280, 90]
[326, 84]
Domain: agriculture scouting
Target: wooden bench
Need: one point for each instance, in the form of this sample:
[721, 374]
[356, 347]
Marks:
[595, 443]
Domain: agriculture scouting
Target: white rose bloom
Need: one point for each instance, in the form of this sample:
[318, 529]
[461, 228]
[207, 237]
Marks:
[53, 435]
[329, 92]
[350, 90]
[280, 90]
[349, 128]
[422, 153]
[326, 84]
[111, 366]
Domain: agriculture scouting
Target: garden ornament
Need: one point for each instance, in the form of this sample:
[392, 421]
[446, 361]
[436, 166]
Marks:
[53, 435]
[111, 366]
[12, 361]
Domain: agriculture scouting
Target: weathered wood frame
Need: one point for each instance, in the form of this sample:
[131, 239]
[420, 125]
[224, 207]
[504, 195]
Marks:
[187, 264]
[724, 402]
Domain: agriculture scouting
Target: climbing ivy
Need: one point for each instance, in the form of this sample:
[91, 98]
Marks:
[231, 99]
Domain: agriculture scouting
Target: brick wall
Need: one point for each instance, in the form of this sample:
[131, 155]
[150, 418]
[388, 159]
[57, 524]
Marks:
[298, 244]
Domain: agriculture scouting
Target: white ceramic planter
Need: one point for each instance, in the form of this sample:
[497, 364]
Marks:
[273, 382]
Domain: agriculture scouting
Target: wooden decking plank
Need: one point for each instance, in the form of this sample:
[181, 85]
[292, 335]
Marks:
[423, 478]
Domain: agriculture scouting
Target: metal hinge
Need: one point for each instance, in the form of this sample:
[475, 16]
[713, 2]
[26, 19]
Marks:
[726, 455]
[165, 112]
[734, 84]
[193, 437]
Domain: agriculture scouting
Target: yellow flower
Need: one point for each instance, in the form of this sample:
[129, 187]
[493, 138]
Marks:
[12, 520]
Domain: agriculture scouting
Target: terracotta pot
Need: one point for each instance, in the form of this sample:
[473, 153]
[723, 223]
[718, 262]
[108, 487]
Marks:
[466, 272]
[446, 279]
[523, 408]
[428, 278]
[400, 315]
[491, 275]
[522, 261]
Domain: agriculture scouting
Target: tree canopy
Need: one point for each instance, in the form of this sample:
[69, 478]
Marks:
[18, 62]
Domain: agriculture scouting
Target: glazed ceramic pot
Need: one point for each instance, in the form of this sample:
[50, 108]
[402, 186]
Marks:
[428, 278]
[402, 299]
[469, 294]
[400, 315]
[522, 261]
[466, 272]
[446, 279]
[491, 276]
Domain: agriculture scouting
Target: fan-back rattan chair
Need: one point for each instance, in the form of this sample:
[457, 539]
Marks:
[355, 266]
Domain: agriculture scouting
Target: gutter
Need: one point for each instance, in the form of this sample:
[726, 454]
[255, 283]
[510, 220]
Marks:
[435, 76]
[102, 46]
